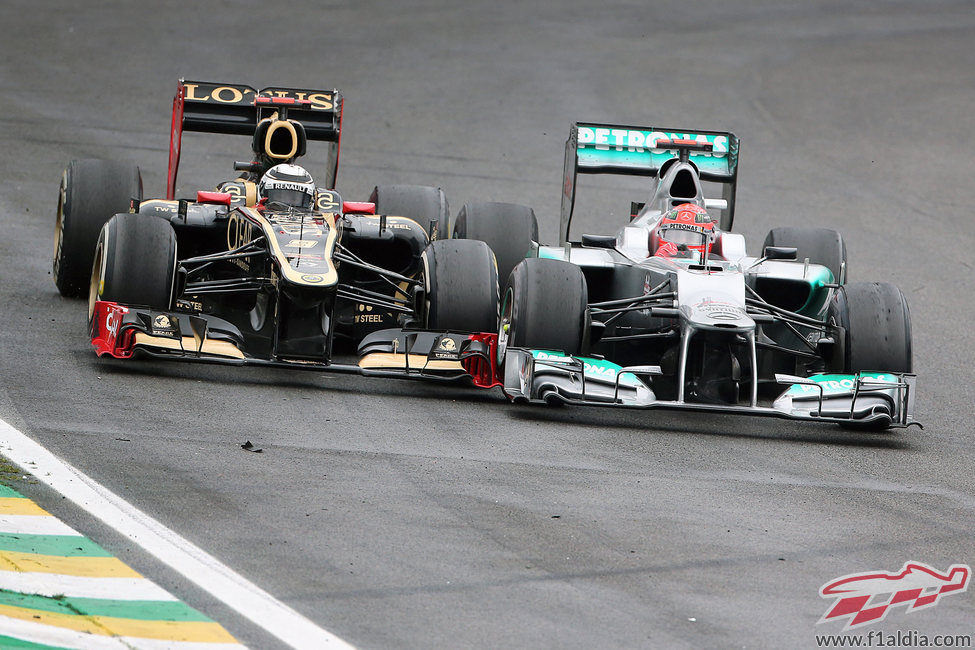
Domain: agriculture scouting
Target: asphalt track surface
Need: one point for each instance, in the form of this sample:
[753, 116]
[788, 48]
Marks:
[401, 514]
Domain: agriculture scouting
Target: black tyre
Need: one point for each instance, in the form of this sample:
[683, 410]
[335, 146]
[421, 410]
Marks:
[820, 245]
[91, 192]
[509, 230]
[878, 327]
[461, 282]
[420, 203]
[545, 307]
[135, 263]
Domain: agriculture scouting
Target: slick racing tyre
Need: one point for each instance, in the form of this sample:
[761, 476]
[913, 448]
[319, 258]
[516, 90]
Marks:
[91, 192]
[510, 230]
[420, 203]
[878, 327]
[135, 263]
[544, 307]
[461, 286]
[820, 245]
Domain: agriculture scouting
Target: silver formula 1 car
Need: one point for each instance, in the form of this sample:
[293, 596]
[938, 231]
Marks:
[672, 312]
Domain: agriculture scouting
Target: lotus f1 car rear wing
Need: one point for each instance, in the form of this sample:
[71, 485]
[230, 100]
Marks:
[632, 150]
[237, 109]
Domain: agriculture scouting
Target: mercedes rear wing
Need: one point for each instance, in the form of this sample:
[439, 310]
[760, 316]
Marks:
[632, 150]
[236, 109]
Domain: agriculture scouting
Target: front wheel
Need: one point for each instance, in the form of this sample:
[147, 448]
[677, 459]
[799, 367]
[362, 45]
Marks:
[545, 307]
[820, 245]
[91, 192]
[509, 229]
[135, 263]
[877, 325]
[460, 286]
[420, 203]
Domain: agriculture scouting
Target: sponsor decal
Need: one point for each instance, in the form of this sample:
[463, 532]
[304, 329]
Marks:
[230, 94]
[685, 226]
[719, 310]
[446, 349]
[594, 368]
[838, 384]
[312, 279]
[301, 243]
[326, 201]
[866, 598]
[448, 344]
[164, 325]
[239, 231]
[284, 185]
[370, 318]
[632, 140]
[113, 320]
[190, 305]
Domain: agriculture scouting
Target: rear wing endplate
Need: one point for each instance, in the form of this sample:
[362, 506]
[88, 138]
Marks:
[631, 150]
[230, 108]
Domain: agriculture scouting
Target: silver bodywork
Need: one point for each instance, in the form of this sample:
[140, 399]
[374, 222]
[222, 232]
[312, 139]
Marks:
[704, 299]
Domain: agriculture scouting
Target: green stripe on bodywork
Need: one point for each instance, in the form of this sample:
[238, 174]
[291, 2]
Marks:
[551, 253]
[10, 493]
[61, 545]
[833, 385]
[140, 610]
[818, 293]
[20, 644]
[595, 368]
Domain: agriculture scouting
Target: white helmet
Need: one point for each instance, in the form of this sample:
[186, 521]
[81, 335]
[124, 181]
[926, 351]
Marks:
[287, 184]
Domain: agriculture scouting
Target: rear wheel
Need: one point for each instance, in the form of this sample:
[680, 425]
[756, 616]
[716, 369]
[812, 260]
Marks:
[420, 203]
[821, 245]
[461, 286]
[91, 192]
[509, 230]
[135, 263]
[544, 307]
[877, 322]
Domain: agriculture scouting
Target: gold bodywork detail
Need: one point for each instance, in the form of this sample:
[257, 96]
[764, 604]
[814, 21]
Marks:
[275, 126]
[293, 276]
[398, 361]
[190, 344]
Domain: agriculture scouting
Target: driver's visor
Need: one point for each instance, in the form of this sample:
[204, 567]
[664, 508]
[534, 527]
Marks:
[686, 237]
[295, 198]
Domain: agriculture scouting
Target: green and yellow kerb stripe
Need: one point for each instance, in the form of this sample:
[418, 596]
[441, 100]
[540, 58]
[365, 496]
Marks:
[58, 589]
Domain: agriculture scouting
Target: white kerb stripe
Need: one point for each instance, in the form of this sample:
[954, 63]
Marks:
[65, 638]
[54, 584]
[35, 525]
[188, 559]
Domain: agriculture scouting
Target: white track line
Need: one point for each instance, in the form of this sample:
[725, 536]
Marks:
[192, 562]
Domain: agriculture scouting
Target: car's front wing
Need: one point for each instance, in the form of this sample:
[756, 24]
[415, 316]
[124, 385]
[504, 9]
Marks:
[122, 332]
[873, 400]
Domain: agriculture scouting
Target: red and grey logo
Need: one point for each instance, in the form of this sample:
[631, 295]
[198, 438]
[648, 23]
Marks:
[865, 598]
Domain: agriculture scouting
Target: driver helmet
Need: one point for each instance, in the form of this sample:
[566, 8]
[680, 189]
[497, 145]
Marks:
[685, 228]
[287, 184]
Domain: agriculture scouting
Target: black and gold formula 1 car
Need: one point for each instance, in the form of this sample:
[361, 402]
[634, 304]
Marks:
[236, 277]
